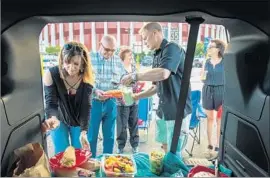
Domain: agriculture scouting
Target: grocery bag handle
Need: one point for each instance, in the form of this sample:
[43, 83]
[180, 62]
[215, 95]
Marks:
[192, 40]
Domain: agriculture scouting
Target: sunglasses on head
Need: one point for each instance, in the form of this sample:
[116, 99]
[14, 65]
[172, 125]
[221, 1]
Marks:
[70, 47]
[107, 49]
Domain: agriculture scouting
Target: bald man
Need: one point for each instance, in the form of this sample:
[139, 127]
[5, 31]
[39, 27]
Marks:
[108, 71]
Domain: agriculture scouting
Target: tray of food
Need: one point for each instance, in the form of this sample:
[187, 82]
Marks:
[87, 169]
[74, 163]
[71, 158]
[118, 165]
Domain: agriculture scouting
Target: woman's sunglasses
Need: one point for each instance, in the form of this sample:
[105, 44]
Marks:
[210, 47]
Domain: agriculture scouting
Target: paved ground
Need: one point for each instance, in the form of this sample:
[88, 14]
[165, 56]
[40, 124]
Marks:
[150, 144]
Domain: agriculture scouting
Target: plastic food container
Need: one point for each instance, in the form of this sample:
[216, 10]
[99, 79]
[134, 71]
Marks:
[127, 95]
[113, 168]
[156, 162]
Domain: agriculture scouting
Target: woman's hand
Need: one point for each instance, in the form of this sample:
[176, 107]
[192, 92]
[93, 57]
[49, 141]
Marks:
[50, 124]
[84, 141]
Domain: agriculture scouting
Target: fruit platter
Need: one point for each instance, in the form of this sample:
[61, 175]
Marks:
[118, 165]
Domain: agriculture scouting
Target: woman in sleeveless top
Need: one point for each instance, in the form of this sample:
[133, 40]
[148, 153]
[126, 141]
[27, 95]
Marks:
[127, 116]
[68, 89]
[212, 93]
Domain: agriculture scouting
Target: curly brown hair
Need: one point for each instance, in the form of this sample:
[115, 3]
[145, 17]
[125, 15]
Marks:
[71, 49]
[123, 51]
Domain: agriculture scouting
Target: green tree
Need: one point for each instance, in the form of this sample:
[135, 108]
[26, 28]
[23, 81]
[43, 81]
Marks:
[199, 52]
[53, 50]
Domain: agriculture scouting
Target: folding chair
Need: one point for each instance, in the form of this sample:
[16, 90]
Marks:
[144, 115]
[197, 115]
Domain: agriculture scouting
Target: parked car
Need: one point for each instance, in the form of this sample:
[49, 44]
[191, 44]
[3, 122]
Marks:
[198, 62]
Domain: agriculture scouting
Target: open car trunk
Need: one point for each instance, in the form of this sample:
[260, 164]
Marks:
[245, 138]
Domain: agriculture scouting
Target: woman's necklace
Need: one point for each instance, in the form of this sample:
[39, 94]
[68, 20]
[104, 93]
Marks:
[72, 86]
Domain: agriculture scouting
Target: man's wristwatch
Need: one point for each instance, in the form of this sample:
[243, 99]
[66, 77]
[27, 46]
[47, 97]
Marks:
[134, 76]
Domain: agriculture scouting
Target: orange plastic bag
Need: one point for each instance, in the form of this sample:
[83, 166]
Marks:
[114, 93]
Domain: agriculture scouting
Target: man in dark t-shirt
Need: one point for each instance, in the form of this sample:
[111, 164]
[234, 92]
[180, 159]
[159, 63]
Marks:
[166, 75]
